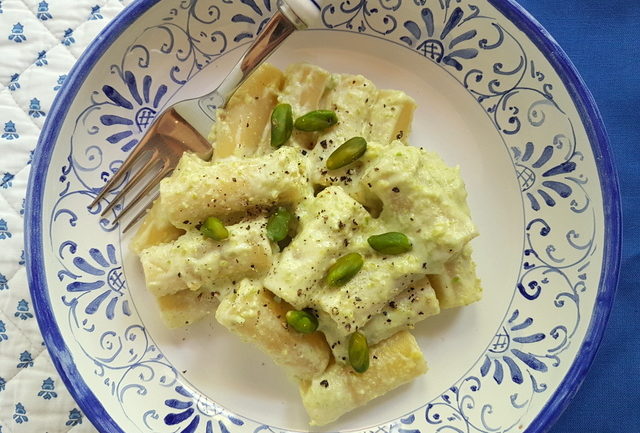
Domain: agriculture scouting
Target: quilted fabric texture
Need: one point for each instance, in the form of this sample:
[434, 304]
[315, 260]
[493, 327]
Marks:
[39, 42]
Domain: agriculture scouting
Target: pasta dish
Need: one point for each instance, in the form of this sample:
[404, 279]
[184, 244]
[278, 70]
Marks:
[316, 233]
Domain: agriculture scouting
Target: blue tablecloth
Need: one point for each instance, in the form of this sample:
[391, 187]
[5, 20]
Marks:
[601, 38]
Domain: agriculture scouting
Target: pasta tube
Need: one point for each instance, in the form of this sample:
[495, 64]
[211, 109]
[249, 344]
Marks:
[411, 306]
[198, 189]
[391, 117]
[394, 362]
[155, 229]
[304, 86]
[241, 126]
[326, 222]
[186, 307]
[458, 285]
[196, 262]
[426, 200]
[254, 315]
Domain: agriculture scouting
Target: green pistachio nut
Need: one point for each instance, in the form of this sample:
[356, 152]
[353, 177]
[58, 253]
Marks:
[358, 352]
[213, 228]
[348, 152]
[278, 224]
[303, 321]
[281, 124]
[390, 243]
[344, 269]
[316, 120]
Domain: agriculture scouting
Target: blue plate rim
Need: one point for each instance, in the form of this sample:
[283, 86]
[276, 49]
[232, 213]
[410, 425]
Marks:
[580, 94]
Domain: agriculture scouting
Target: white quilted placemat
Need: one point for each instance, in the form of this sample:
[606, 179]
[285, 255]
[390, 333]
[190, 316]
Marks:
[39, 42]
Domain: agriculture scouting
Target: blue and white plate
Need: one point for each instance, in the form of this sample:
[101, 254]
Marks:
[496, 96]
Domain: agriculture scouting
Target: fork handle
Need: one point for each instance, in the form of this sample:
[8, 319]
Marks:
[291, 15]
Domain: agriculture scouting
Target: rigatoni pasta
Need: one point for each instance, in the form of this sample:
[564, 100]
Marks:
[241, 125]
[291, 244]
[338, 390]
[256, 316]
[232, 187]
[194, 262]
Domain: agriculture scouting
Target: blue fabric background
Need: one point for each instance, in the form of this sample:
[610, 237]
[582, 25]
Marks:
[602, 38]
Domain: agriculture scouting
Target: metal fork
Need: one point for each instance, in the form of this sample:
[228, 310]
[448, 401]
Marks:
[183, 126]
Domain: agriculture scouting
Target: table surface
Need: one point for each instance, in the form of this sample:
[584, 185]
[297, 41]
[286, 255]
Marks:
[599, 37]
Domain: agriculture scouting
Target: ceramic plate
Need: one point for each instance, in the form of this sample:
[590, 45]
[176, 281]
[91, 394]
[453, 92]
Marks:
[496, 96]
